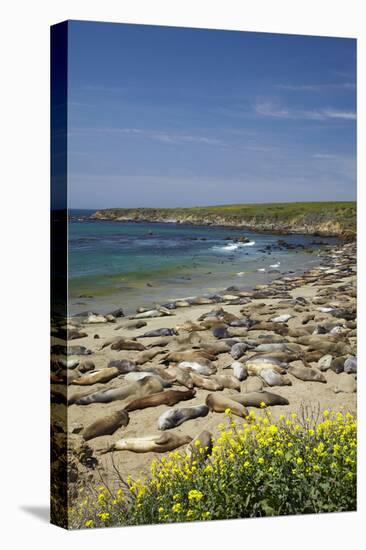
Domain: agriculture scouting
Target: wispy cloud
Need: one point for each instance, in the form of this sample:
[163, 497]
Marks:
[270, 109]
[317, 87]
[156, 135]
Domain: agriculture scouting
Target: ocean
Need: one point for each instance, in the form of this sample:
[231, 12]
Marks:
[127, 264]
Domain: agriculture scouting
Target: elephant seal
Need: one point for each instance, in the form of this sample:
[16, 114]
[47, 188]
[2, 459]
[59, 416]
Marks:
[227, 381]
[137, 389]
[99, 376]
[124, 366]
[170, 398]
[147, 355]
[257, 363]
[159, 332]
[123, 344]
[350, 365]
[189, 355]
[268, 348]
[205, 383]
[106, 425]
[221, 331]
[282, 318]
[254, 399]
[238, 350]
[345, 383]
[307, 374]
[160, 443]
[252, 384]
[175, 417]
[182, 377]
[151, 313]
[200, 367]
[134, 376]
[109, 342]
[219, 403]
[239, 370]
[273, 378]
[86, 366]
[325, 362]
[337, 364]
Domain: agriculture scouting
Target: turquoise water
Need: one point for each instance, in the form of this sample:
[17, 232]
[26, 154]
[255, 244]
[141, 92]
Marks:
[122, 264]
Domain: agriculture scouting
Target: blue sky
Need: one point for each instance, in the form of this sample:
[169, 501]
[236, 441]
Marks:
[162, 116]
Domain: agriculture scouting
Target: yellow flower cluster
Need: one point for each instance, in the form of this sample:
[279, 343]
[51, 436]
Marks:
[255, 468]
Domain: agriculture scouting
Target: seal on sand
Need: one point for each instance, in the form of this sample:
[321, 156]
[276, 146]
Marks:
[175, 417]
[170, 397]
[160, 443]
[205, 383]
[273, 378]
[137, 389]
[255, 398]
[101, 376]
[219, 403]
[307, 374]
[106, 425]
[128, 345]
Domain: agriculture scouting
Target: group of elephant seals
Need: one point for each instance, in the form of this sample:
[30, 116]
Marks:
[219, 403]
[106, 425]
[151, 444]
[175, 417]
[169, 397]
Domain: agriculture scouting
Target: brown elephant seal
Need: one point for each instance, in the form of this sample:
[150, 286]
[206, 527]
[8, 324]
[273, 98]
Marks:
[181, 377]
[307, 374]
[273, 378]
[123, 344]
[134, 376]
[134, 390]
[219, 403]
[205, 383]
[345, 383]
[106, 425]
[109, 342]
[160, 443]
[227, 381]
[255, 399]
[175, 417]
[215, 348]
[147, 355]
[86, 366]
[169, 397]
[252, 384]
[100, 376]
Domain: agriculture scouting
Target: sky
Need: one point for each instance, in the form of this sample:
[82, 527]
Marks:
[166, 117]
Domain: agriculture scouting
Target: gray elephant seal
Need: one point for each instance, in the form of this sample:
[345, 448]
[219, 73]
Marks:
[143, 387]
[238, 350]
[124, 366]
[159, 332]
[86, 366]
[99, 376]
[204, 368]
[239, 370]
[273, 378]
[175, 417]
[170, 398]
[219, 403]
[183, 378]
[307, 374]
[161, 443]
[134, 376]
[106, 425]
[254, 399]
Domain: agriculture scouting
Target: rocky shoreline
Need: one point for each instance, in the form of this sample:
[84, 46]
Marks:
[302, 223]
[294, 338]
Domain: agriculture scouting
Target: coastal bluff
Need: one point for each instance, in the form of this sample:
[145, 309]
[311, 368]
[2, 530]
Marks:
[315, 218]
